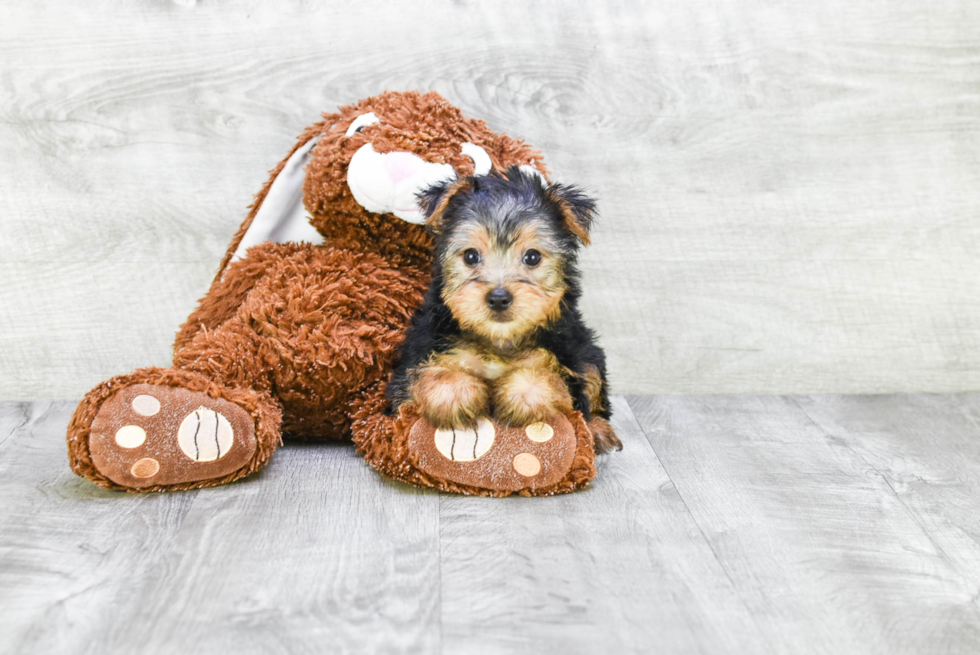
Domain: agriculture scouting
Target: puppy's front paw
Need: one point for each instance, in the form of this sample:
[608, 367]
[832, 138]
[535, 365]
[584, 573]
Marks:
[529, 395]
[449, 398]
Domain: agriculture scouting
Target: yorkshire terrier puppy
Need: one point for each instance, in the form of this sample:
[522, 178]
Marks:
[499, 332]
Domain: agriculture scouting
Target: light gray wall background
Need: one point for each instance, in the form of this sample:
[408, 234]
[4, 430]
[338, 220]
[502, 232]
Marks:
[789, 190]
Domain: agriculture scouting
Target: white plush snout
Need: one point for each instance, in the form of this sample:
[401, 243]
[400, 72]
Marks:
[381, 183]
[390, 182]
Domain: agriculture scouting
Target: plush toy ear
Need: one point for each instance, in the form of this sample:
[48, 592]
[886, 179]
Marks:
[435, 199]
[576, 209]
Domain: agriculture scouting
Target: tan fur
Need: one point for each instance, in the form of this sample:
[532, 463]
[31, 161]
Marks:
[450, 397]
[517, 388]
[537, 291]
[593, 388]
[572, 222]
[434, 221]
[527, 395]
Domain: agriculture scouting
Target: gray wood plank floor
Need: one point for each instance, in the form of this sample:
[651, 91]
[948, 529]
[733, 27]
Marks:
[728, 524]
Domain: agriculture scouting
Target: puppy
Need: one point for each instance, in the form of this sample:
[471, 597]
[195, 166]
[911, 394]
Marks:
[499, 333]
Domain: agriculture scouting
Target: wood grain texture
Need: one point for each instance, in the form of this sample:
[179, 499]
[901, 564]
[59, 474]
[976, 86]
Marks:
[728, 524]
[823, 550]
[789, 192]
[315, 554]
[927, 450]
[619, 568]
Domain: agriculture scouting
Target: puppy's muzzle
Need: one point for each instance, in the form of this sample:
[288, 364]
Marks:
[499, 299]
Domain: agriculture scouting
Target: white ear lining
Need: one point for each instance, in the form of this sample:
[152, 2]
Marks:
[282, 216]
[363, 120]
[481, 160]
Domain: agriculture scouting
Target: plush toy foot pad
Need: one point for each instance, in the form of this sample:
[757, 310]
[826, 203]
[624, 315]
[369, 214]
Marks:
[149, 435]
[494, 456]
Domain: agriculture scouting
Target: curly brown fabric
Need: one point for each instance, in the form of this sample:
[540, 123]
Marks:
[302, 336]
[264, 411]
[383, 442]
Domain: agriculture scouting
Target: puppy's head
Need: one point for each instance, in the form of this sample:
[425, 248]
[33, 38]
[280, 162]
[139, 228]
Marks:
[505, 249]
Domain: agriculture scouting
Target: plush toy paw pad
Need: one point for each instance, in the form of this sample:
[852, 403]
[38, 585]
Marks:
[145, 468]
[496, 456]
[466, 444]
[539, 432]
[205, 435]
[130, 436]
[146, 405]
[527, 465]
[149, 435]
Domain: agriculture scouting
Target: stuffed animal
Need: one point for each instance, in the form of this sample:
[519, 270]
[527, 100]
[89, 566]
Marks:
[299, 332]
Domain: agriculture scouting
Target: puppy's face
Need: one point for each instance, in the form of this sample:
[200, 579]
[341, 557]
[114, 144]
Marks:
[506, 245]
[502, 279]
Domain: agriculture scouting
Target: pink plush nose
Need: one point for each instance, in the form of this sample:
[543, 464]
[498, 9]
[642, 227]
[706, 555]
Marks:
[399, 165]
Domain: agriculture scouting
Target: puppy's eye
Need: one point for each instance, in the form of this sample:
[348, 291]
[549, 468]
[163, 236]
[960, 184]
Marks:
[471, 256]
[532, 258]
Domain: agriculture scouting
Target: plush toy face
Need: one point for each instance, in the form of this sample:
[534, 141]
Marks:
[374, 157]
[389, 182]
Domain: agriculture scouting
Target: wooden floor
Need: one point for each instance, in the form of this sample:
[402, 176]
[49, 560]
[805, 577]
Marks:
[728, 524]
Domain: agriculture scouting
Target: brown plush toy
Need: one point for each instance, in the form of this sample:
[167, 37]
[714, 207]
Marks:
[299, 331]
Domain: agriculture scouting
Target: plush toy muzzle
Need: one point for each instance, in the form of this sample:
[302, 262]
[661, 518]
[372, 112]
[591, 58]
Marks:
[389, 183]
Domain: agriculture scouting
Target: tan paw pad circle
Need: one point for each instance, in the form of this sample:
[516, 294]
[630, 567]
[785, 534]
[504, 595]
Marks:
[146, 405]
[145, 468]
[130, 436]
[527, 465]
[539, 432]
[205, 435]
[466, 444]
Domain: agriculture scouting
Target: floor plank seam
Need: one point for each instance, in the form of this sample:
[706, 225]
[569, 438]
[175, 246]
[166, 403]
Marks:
[26, 419]
[884, 478]
[442, 596]
[714, 553]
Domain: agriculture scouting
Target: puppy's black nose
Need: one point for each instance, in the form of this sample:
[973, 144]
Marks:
[499, 299]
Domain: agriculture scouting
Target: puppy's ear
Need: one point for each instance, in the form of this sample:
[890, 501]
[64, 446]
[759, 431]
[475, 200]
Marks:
[435, 199]
[577, 210]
